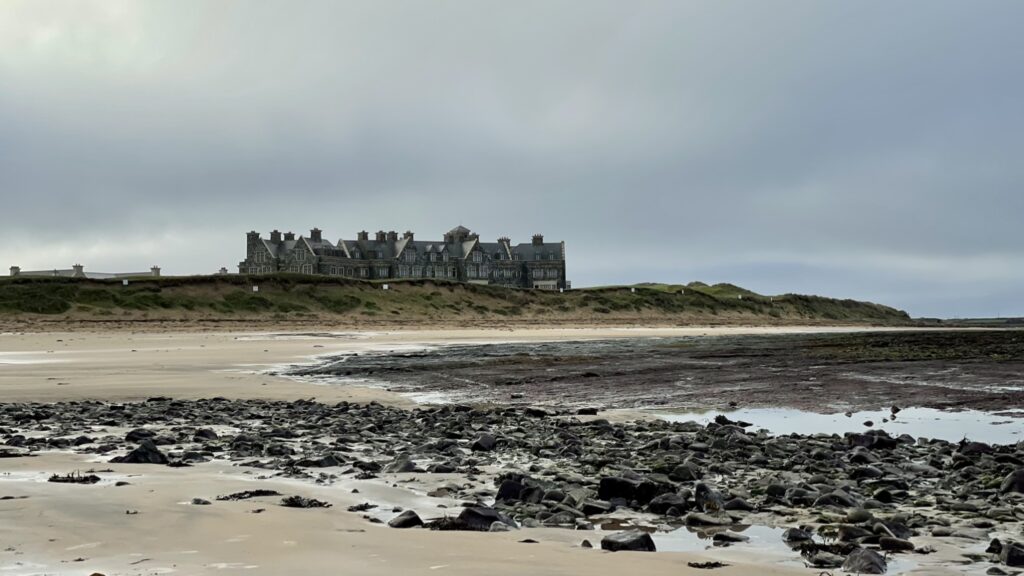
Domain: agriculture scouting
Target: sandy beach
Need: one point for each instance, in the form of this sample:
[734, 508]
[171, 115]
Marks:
[58, 531]
[150, 525]
[122, 365]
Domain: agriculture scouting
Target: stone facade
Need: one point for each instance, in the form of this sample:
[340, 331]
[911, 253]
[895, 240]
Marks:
[459, 257]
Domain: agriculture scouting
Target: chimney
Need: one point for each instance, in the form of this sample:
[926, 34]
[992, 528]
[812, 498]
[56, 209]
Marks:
[314, 235]
[222, 271]
[408, 234]
[363, 236]
[381, 236]
[154, 271]
[275, 237]
[252, 236]
[289, 235]
[538, 239]
[15, 270]
[393, 236]
[79, 270]
[505, 240]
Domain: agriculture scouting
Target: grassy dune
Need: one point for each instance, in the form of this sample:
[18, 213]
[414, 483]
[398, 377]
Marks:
[298, 298]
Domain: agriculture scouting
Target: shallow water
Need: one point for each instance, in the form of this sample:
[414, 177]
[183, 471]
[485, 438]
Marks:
[765, 542]
[918, 422]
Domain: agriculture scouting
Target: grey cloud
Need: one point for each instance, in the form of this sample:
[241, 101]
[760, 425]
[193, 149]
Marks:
[797, 146]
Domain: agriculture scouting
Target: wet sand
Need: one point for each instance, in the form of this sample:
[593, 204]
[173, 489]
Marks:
[82, 529]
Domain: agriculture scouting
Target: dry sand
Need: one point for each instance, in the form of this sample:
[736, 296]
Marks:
[81, 529]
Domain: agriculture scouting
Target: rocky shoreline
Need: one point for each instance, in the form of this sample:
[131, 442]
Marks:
[854, 502]
[945, 370]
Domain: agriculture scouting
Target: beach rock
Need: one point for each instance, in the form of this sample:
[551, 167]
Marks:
[632, 540]
[509, 490]
[1014, 482]
[686, 472]
[484, 443]
[499, 526]
[614, 487]
[702, 519]
[859, 516]
[729, 537]
[891, 544]
[407, 519]
[138, 435]
[864, 561]
[796, 535]
[204, 434]
[1012, 554]
[301, 502]
[479, 518]
[145, 453]
[663, 502]
[402, 464]
[823, 559]
[738, 504]
[200, 502]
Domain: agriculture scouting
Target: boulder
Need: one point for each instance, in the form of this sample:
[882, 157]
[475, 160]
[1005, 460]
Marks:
[632, 540]
[407, 519]
[145, 453]
[402, 464]
[891, 544]
[1012, 554]
[1014, 482]
[509, 490]
[663, 502]
[686, 472]
[702, 519]
[479, 518]
[484, 443]
[864, 561]
[139, 434]
[612, 487]
[796, 535]
[822, 559]
[729, 537]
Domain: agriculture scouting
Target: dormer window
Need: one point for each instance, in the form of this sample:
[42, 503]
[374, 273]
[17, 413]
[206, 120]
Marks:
[478, 257]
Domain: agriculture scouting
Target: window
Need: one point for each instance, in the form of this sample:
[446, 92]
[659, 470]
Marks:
[433, 257]
[478, 257]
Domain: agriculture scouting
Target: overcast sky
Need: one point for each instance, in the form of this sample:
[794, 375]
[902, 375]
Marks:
[862, 149]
